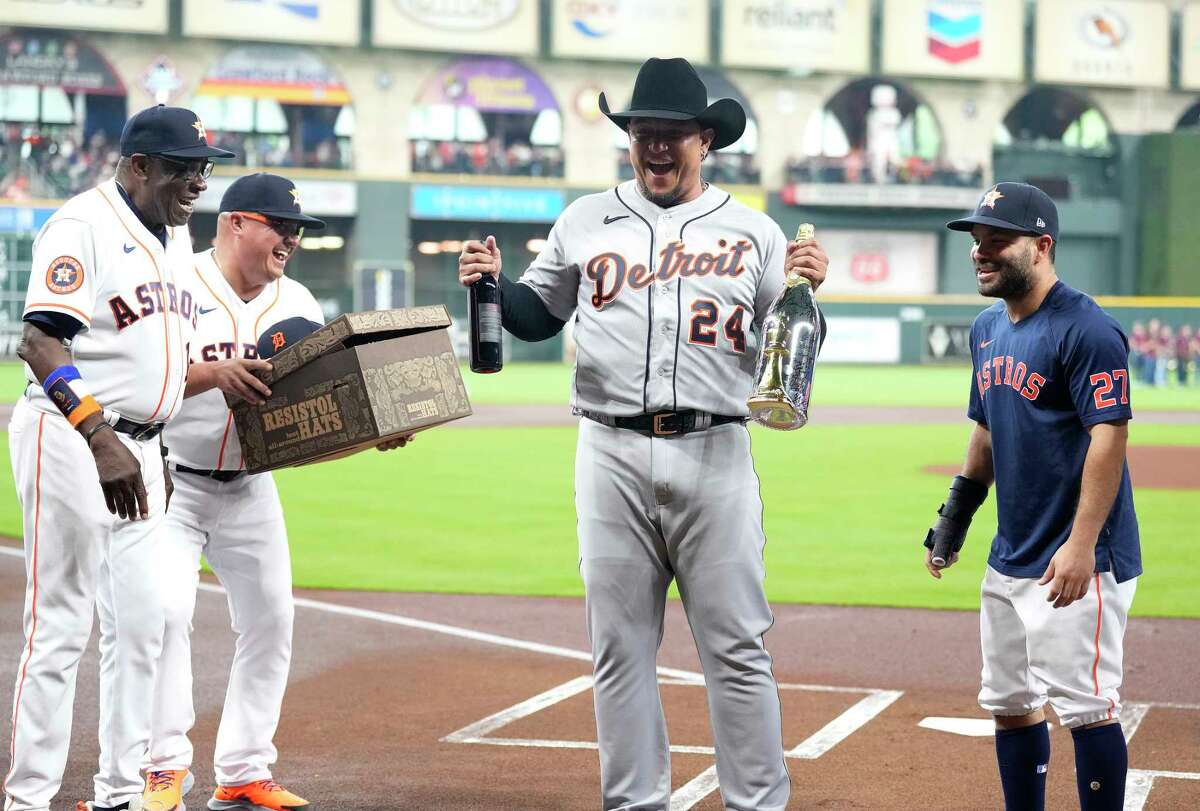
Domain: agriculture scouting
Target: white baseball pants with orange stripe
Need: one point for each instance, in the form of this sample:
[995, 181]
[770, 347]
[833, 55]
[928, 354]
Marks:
[1034, 652]
[238, 526]
[81, 559]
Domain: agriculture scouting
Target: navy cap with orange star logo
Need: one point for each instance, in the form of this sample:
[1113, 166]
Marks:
[1013, 207]
[270, 195]
[173, 132]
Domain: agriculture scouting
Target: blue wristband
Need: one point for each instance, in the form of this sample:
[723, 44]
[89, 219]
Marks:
[65, 373]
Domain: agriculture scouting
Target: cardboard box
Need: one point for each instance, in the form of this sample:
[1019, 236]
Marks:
[359, 380]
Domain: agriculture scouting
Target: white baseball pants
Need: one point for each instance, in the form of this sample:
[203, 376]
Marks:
[80, 558]
[1034, 652]
[238, 526]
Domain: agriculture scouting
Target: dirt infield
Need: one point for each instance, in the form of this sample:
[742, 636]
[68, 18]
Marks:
[419, 701]
[1151, 467]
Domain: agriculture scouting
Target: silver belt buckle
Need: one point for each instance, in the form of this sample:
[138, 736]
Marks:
[147, 431]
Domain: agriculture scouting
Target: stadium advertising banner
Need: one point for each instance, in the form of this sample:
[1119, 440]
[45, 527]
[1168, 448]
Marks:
[803, 35]
[335, 22]
[861, 339]
[485, 203]
[142, 16]
[629, 30]
[22, 220]
[893, 263]
[1122, 43]
[1189, 47]
[966, 39]
[49, 59]
[488, 84]
[287, 74]
[491, 26]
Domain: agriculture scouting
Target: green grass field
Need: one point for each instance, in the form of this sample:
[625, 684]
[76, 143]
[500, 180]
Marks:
[490, 510]
[835, 385]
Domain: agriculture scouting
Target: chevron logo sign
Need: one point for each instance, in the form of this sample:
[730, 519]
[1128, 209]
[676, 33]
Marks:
[955, 29]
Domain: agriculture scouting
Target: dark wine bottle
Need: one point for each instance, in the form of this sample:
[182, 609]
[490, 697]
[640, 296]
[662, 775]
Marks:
[483, 306]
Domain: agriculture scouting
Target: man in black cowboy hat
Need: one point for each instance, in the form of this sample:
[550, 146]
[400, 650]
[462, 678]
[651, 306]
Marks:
[668, 278]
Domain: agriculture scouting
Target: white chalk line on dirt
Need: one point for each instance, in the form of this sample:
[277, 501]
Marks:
[854, 718]
[1139, 783]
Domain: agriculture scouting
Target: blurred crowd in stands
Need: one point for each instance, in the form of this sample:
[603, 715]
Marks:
[50, 164]
[488, 157]
[55, 164]
[1160, 355]
[856, 168]
[266, 150]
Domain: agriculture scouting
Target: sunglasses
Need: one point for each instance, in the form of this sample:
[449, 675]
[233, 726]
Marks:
[188, 170]
[284, 228]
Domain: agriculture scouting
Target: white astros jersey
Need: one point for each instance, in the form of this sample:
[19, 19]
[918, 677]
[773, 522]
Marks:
[204, 437]
[95, 261]
[667, 301]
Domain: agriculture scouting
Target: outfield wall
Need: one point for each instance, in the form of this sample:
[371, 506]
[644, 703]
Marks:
[935, 329]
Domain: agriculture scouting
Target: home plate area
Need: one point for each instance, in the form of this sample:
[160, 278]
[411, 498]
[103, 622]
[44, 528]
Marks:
[818, 718]
[534, 722]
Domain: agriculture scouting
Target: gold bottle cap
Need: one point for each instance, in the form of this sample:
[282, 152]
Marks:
[804, 233]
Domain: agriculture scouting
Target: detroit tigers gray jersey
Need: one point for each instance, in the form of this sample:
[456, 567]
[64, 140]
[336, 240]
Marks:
[664, 298]
[666, 301]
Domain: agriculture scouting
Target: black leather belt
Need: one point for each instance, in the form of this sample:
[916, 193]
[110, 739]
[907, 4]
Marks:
[215, 475]
[138, 430]
[665, 423]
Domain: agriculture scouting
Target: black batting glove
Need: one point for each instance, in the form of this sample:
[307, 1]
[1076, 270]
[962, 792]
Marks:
[949, 532]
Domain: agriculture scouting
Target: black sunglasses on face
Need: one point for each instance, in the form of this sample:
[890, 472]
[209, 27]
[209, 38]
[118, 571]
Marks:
[283, 228]
[188, 170]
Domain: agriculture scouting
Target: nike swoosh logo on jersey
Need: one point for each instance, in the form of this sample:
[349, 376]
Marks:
[128, 248]
[610, 220]
[203, 311]
[982, 344]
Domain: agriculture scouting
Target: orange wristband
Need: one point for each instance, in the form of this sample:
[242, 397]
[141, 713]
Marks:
[86, 408]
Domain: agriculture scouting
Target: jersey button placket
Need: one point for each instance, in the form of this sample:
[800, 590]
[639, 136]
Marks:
[662, 346]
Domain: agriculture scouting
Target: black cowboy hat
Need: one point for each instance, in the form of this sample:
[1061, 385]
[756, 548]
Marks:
[671, 88]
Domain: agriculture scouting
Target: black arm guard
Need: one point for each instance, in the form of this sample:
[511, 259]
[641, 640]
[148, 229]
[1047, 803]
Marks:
[523, 314]
[954, 519]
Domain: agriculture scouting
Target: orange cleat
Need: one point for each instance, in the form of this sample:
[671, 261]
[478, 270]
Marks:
[165, 789]
[261, 795]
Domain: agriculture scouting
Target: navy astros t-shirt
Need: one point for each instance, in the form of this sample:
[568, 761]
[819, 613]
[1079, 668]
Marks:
[1039, 384]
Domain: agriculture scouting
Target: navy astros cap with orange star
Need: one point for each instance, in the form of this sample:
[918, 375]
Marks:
[1013, 207]
[173, 132]
[270, 195]
[283, 334]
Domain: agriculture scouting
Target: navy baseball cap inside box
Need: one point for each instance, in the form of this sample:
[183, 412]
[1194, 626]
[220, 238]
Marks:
[1013, 207]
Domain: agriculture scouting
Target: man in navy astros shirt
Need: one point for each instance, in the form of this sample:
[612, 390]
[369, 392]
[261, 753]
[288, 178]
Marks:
[1050, 401]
